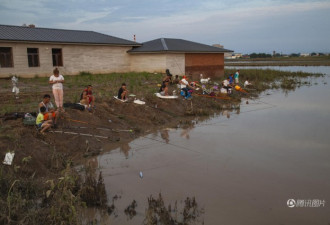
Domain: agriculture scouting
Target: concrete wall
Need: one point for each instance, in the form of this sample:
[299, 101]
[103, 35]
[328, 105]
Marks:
[176, 63]
[158, 63]
[107, 59]
[153, 63]
[76, 58]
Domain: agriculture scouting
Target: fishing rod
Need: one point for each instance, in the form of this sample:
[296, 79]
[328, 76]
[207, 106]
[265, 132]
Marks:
[100, 128]
[207, 96]
[87, 135]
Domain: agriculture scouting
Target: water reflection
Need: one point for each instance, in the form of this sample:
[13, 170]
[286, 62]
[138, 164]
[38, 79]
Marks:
[124, 148]
[165, 136]
[185, 132]
[285, 155]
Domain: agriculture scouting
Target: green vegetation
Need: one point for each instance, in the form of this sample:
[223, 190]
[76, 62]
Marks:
[105, 87]
[260, 55]
[29, 200]
[270, 79]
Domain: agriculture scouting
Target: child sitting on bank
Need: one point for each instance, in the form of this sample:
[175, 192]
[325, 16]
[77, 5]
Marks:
[123, 92]
[87, 98]
[41, 122]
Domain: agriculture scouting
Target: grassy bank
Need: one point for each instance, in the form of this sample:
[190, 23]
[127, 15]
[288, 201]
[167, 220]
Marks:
[281, 61]
[105, 87]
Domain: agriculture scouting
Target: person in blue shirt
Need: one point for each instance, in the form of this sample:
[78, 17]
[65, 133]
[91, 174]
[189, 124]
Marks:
[231, 79]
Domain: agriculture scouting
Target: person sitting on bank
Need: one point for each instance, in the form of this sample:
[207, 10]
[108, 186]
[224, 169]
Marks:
[123, 92]
[176, 79]
[247, 83]
[231, 80]
[50, 114]
[41, 122]
[185, 86]
[164, 89]
[87, 98]
[168, 77]
[226, 85]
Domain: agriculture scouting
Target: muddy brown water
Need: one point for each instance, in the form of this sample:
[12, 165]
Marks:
[242, 167]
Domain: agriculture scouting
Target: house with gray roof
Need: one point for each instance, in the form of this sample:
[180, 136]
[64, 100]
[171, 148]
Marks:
[180, 56]
[29, 51]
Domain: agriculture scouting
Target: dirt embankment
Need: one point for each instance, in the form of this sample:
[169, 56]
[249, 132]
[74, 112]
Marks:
[43, 160]
[112, 122]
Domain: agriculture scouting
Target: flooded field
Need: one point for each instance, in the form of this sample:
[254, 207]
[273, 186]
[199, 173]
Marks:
[242, 166]
[309, 69]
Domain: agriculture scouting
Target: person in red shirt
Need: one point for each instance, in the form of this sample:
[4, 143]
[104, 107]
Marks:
[86, 97]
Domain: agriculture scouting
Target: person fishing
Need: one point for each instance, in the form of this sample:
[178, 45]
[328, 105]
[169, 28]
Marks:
[123, 92]
[185, 86]
[176, 79]
[164, 88]
[226, 85]
[247, 83]
[87, 98]
[231, 80]
[168, 76]
[41, 122]
[50, 113]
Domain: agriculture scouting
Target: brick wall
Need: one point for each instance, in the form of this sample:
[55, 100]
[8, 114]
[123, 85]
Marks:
[208, 64]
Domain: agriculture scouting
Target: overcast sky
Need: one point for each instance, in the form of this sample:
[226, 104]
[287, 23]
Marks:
[287, 26]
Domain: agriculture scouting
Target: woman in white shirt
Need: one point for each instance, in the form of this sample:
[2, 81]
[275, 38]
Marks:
[57, 81]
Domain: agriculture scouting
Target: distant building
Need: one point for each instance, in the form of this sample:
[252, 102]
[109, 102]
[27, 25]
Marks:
[304, 54]
[28, 51]
[233, 55]
[218, 45]
[245, 56]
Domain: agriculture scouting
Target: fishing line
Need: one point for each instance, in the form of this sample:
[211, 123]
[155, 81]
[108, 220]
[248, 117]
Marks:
[235, 115]
[178, 146]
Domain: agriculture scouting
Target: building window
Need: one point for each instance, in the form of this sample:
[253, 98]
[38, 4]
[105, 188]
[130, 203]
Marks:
[57, 57]
[33, 57]
[6, 57]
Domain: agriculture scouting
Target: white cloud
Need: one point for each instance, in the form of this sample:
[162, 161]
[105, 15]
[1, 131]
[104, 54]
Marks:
[83, 17]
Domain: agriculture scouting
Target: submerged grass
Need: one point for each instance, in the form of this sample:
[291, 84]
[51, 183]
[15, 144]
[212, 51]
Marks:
[269, 79]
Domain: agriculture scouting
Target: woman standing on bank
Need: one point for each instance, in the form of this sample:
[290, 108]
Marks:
[57, 81]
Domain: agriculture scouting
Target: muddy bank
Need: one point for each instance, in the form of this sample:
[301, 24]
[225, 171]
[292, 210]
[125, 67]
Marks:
[42, 177]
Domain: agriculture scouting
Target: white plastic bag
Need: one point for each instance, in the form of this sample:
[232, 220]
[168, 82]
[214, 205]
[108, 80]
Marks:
[9, 157]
